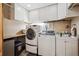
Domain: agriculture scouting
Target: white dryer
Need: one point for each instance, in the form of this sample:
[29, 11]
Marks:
[31, 38]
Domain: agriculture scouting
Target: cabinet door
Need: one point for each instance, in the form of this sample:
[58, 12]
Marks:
[44, 45]
[34, 16]
[42, 14]
[1, 41]
[48, 13]
[62, 10]
[71, 46]
[51, 13]
[60, 46]
[8, 48]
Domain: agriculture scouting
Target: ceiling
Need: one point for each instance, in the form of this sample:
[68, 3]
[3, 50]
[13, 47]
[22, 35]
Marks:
[31, 6]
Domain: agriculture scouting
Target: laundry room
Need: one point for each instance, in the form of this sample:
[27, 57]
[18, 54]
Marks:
[40, 29]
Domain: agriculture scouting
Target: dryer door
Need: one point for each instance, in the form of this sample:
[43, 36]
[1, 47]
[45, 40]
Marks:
[30, 34]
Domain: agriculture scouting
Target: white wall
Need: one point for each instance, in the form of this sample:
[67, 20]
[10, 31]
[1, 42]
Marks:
[11, 27]
[75, 21]
[21, 13]
[34, 16]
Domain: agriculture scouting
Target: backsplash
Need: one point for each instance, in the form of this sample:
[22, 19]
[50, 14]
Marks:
[60, 26]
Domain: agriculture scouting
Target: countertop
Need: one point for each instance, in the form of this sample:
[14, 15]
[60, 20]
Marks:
[12, 36]
[57, 36]
[47, 34]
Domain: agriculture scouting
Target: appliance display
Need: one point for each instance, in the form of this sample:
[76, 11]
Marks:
[32, 33]
[19, 45]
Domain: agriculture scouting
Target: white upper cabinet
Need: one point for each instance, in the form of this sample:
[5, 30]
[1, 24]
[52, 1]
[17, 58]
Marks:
[42, 14]
[72, 12]
[62, 10]
[20, 13]
[51, 13]
[48, 13]
[34, 16]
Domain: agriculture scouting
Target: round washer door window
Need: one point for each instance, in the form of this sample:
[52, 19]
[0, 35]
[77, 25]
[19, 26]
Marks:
[30, 34]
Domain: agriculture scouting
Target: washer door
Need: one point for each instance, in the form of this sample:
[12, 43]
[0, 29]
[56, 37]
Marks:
[30, 34]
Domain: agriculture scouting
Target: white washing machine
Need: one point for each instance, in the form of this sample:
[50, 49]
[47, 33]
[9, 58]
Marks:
[32, 34]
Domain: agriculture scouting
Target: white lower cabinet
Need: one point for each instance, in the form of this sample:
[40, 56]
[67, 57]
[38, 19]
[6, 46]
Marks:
[60, 46]
[46, 45]
[72, 46]
[66, 46]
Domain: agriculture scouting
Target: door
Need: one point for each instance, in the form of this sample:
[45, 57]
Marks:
[60, 46]
[71, 46]
[44, 45]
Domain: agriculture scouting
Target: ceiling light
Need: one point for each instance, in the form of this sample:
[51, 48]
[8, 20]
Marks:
[28, 5]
